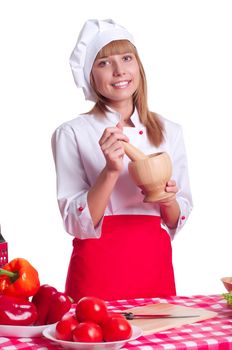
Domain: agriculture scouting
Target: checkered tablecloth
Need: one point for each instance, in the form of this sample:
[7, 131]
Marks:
[211, 334]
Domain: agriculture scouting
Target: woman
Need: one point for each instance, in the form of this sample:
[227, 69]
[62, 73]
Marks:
[121, 246]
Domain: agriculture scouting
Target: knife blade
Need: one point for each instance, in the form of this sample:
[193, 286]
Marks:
[131, 316]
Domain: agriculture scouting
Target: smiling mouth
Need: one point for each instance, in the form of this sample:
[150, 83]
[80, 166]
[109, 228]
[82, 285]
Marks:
[121, 84]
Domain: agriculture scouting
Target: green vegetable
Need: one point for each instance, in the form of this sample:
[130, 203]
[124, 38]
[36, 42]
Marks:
[228, 297]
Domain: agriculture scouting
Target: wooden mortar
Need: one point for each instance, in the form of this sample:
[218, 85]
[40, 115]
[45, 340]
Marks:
[149, 172]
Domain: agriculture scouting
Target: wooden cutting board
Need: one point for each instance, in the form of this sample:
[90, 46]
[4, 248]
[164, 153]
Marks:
[150, 326]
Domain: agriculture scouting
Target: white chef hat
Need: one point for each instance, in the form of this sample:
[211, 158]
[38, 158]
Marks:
[94, 35]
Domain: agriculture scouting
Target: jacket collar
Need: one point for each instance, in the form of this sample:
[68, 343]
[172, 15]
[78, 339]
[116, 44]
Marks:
[115, 117]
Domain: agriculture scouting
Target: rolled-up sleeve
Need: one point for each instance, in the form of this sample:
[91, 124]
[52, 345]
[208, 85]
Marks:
[72, 185]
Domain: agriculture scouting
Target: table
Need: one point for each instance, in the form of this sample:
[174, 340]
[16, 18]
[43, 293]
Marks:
[212, 334]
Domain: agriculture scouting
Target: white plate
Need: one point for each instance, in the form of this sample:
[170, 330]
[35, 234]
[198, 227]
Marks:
[22, 331]
[49, 333]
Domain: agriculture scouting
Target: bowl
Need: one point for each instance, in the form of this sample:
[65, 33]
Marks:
[49, 333]
[227, 281]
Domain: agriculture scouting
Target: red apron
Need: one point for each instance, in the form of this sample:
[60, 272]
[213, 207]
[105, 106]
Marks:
[131, 259]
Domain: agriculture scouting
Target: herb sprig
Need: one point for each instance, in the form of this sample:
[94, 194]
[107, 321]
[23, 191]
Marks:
[228, 297]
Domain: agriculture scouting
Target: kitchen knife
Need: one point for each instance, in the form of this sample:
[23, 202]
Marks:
[131, 316]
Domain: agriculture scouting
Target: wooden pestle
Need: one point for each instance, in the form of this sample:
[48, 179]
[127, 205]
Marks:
[132, 152]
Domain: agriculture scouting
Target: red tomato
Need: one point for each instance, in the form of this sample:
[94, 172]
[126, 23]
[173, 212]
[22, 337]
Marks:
[116, 328]
[88, 332]
[91, 309]
[111, 314]
[65, 327]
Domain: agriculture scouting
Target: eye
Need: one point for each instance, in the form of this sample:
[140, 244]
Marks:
[102, 63]
[127, 58]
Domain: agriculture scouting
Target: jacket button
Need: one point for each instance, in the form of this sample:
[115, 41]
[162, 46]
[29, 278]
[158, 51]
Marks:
[80, 208]
[183, 217]
[140, 132]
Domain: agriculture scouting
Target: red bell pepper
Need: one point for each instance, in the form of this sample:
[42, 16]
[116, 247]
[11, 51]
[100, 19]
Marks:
[17, 311]
[42, 300]
[51, 304]
[60, 304]
[19, 278]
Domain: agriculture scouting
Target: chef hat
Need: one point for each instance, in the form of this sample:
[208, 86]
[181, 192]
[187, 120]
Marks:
[94, 35]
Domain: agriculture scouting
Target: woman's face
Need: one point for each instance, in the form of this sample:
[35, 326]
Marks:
[116, 77]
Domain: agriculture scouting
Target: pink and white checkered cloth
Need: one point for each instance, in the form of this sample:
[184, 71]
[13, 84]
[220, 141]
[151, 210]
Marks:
[212, 334]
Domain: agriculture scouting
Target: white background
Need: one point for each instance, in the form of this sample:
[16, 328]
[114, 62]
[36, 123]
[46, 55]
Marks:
[185, 47]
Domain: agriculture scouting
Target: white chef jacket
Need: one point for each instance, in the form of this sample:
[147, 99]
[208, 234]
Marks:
[79, 160]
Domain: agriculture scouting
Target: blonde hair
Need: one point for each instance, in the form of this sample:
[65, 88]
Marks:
[150, 120]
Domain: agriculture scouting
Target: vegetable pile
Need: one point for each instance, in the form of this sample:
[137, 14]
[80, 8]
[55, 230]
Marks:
[92, 322]
[23, 301]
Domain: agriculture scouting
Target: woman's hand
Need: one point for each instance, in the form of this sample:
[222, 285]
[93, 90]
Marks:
[169, 207]
[170, 188]
[112, 148]
[113, 151]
